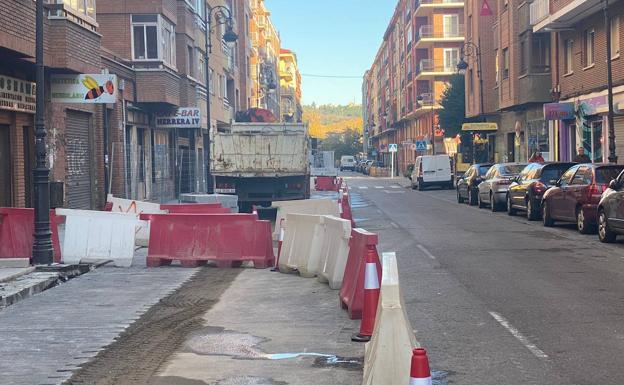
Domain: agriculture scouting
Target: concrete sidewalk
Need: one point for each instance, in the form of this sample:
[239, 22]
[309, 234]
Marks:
[268, 329]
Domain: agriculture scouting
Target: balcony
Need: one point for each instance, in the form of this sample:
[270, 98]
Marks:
[430, 67]
[544, 17]
[287, 91]
[431, 34]
[158, 85]
[423, 7]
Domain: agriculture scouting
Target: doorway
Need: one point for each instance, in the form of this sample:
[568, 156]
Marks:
[511, 147]
[5, 167]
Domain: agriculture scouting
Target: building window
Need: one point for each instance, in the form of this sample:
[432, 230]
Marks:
[211, 81]
[189, 61]
[590, 38]
[505, 63]
[147, 32]
[615, 37]
[496, 66]
[524, 68]
[540, 53]
[201, 66]
[568, 58]
[84, 7]
[222, 87]
[470, 81]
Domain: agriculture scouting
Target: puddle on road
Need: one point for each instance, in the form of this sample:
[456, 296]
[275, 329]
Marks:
[219, 342]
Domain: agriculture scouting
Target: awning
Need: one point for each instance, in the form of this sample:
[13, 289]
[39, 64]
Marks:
[487, 126]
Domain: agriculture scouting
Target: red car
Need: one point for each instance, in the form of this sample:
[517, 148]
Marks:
[576, 195]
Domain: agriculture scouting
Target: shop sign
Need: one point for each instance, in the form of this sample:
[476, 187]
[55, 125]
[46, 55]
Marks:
[183, 117]
[480, 126]
[592, 105]
[17, 95]
[558, 111]
[84, 88]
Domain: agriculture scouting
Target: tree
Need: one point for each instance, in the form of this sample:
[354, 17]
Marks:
[348, 142]
[453, 102]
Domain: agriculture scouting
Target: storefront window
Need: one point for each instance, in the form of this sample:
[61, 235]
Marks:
[538, 138]
[592, 140]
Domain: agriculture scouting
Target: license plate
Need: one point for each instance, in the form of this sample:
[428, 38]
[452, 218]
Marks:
[225, 191]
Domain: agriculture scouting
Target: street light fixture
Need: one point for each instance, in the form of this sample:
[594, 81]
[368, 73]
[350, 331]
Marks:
[43, 253]
[421, 99]
[222, 15]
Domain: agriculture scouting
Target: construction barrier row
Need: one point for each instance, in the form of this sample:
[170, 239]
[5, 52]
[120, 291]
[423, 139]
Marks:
[195, 208]
[305, 206]
[17, 229]
[388, 355]
[327, 183]
[337, 234]
[194, 239]
[99, 235]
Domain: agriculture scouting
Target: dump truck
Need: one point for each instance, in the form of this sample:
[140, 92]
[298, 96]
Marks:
[261, 162]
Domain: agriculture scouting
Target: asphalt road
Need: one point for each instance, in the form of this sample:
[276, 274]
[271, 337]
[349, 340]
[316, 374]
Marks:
[498, 299]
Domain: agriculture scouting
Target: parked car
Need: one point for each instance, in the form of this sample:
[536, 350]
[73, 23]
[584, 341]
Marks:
[611, 211]
[526, 191]
[493, 189]
[468, 183]
[347, 162]
[359, 165]
[432, 170]
[576, 195]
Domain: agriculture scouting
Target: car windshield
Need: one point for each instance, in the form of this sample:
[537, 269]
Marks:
[484, 169]
[553, 172]
[511, 169]
[605, 175]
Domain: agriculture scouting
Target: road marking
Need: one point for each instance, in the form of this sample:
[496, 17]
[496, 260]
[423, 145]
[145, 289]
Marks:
[394, 225]
[379, 187]
[363, 187]
[395, 186]
[394, 192]
[537, 352]
[427, 253]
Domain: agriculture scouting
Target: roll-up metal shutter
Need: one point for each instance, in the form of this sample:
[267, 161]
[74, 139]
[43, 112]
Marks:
[619, 137]
[78, 154]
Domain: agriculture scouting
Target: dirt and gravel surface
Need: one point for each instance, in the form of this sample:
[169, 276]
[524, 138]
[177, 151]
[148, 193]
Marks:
[138, 352]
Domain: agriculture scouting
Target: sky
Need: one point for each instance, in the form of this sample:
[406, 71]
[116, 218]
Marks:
[332, 38]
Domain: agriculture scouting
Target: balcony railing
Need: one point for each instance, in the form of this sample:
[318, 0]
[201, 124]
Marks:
[539, 10]
[428, 2]
[453, 32]
[430, 65]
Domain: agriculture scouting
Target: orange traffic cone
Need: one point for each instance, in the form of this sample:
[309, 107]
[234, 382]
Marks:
[371, 296]
[420, 373]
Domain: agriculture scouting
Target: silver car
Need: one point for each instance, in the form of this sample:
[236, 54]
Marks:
[493, 189]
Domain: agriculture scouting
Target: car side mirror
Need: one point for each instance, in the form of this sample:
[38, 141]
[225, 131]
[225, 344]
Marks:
[614, 185]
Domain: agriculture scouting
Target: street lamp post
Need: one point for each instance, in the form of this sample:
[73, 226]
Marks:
[42, 245]
[421, 99]
[470, 49]
[222, 15]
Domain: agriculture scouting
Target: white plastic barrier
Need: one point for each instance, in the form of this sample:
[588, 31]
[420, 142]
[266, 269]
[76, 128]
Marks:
[129, 206]
[388, 354]
[303, 244]
[335, 251]
[97, 235]
[305, 206]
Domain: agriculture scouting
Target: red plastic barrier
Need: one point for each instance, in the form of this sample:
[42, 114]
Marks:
[108, 206]
[17, 227]
[352, 291]
[196, 208]
[326, 183]
[346, 213]
[194, 239]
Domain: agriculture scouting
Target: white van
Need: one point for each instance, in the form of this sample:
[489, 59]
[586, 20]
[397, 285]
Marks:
[432, 170]
[347, 162]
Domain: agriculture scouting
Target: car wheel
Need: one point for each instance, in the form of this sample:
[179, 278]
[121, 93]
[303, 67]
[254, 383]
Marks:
[546, 218]
[459, 197]
[510, 210]
[481, 203]
[472, 199]
[582, 224]
[493, 203]
[532, 211]
[604, 233]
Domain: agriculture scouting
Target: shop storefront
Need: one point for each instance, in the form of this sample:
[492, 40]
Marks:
[17, 108]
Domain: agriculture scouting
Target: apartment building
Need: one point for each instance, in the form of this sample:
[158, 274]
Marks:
[419, 53]
[578, 115]
[265, 59]
[158, 51]
[290, 87]
[74, 131]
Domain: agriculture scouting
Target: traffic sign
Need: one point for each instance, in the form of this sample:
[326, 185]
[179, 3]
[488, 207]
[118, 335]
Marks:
[421, 145]
[393, 147]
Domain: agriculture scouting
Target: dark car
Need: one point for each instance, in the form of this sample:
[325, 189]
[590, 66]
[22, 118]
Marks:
[467, 185]
[611, 211]
[526, 191]
[576, 195]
